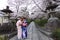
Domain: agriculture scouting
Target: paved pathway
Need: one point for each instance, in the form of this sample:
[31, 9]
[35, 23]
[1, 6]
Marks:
[34, 34]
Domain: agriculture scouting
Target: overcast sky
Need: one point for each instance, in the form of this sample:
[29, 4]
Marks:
[3, 4]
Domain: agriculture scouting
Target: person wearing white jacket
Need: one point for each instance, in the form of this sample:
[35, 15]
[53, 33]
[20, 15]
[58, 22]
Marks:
[19, 29]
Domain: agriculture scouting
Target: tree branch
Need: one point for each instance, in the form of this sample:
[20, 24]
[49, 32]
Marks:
[38, 6]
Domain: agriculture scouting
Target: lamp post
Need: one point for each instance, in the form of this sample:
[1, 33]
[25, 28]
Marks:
[51, 14]
[7, 11]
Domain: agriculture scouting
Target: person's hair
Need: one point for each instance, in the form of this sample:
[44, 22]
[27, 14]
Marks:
[21, 18]
[24, 18]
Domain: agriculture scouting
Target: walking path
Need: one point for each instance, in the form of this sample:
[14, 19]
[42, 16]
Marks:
[34, 33]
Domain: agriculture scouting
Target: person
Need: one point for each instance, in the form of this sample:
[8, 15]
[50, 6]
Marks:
[19, 30]
[24, 28]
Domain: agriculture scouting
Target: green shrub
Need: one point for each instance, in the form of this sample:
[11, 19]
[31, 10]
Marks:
[37, 21]
[3, 37]
[56, 34]
[41, 22]
[28, 20]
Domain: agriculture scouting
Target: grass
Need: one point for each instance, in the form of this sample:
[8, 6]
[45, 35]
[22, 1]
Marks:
[3, 37]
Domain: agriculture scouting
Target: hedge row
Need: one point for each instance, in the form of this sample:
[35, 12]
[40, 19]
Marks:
[41, 22]
[56, 34]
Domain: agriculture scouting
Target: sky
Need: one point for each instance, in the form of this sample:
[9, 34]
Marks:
[3, 4]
